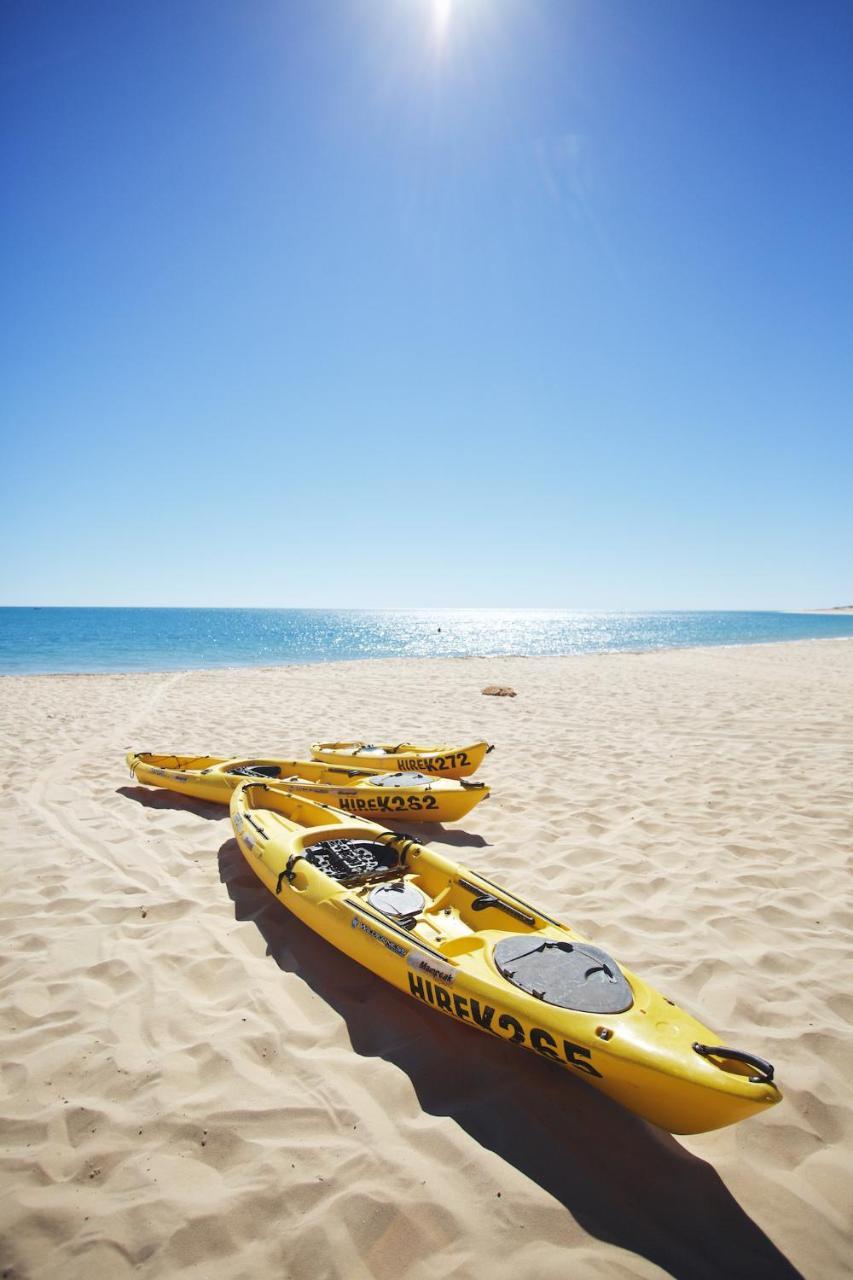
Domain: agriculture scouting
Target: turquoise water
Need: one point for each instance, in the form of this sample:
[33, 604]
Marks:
[58, 640]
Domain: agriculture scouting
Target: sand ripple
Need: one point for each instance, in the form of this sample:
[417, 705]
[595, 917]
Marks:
[192, 1084]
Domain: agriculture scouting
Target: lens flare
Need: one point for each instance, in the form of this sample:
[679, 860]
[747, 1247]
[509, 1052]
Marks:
[441, 12]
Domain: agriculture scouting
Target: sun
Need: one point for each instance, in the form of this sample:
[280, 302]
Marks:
[441, 14]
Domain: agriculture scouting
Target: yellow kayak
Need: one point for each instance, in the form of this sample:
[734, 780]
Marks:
[448, 937]
[417, 796]
[446, 762]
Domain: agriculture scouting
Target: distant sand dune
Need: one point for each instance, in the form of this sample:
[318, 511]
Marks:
[193, 1084]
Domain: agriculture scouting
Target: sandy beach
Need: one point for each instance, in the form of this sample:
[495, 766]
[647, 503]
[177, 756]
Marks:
[195, 1085]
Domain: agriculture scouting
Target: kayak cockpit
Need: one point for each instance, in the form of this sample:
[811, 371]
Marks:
[255, 770]
[417, 891]
[352, 861]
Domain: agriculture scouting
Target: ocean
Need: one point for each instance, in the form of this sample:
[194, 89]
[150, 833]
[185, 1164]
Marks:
[43, 640]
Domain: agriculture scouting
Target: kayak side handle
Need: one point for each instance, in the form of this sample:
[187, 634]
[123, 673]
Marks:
[482, 900]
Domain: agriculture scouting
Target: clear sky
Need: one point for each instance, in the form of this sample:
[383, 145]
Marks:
[427, 302]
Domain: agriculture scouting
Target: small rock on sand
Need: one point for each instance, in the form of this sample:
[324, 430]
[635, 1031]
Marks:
[499, 691]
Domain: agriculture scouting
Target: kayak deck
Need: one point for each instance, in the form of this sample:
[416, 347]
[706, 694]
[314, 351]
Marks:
[448, 937]
[369, 792]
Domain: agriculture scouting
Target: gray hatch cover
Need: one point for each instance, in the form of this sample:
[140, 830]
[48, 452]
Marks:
[571, 975]
[397, 899]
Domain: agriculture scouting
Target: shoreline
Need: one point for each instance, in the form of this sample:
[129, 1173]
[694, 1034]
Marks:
[183, 1061]
[837, 611]
[101, 641]
[465, 657]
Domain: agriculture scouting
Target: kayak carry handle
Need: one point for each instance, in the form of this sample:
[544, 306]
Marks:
[765, 1069]
[484, 899]
[288, 873]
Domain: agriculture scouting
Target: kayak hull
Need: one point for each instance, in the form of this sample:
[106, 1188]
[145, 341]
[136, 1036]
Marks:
[364, 792]
[443, 761]
[642, 1058]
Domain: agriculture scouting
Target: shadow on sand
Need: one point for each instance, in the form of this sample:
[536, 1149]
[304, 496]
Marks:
[622, 1180]
[437, 833]
[423, 832]
[162, 799]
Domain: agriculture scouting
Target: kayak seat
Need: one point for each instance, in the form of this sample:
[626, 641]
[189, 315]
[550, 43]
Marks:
[348, 861]
[257, 771]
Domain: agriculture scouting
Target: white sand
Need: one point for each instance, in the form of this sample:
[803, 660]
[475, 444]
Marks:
[194, 1085]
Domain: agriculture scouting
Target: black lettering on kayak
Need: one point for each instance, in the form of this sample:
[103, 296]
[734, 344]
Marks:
[442, 999]
[422, 988]
[543, 1042]
[356, 804]
[460, 1005]
[482, 1017]
[429, 993]
[384, 804]
[419, 764]
[575, 1051]
[470, 1009]
[507, 1021]
[463, 758]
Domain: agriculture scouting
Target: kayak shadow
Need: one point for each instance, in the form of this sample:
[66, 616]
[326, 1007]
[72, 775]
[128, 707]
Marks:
[436, 833]
[162, 799]
[423, 832]
[623, 1180]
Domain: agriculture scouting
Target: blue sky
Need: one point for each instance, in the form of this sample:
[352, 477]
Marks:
[427, 303]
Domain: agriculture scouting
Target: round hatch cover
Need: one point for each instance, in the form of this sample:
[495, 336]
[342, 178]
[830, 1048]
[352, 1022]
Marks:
[397, 899]
[572, 975]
